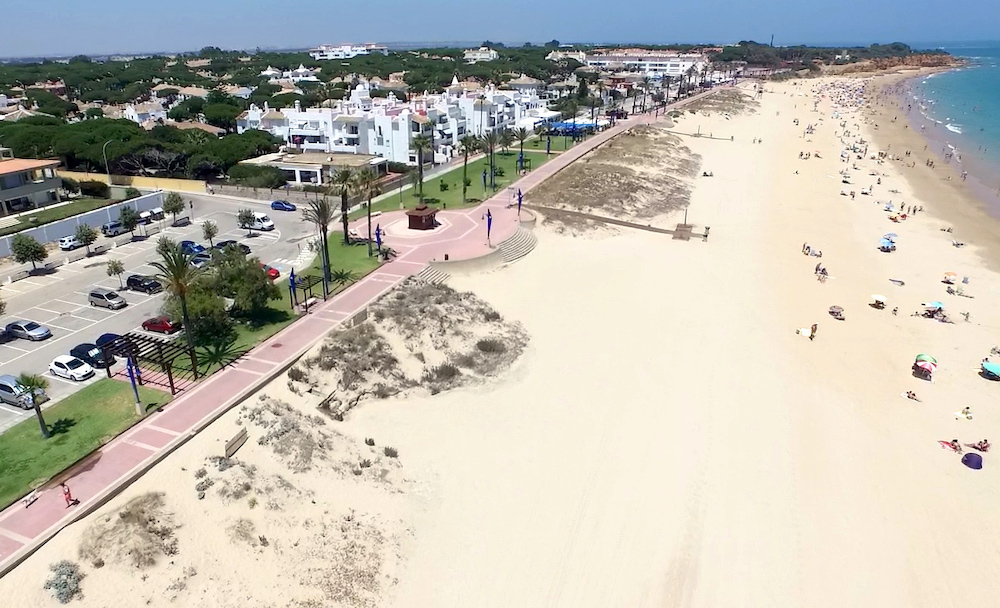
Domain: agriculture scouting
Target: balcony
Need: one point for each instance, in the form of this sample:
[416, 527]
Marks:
[305, 132]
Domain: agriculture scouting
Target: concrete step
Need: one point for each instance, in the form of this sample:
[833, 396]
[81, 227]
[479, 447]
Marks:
[432, 275]
[517, 246]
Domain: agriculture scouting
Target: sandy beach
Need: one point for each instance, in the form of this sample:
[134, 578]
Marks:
[658, 433]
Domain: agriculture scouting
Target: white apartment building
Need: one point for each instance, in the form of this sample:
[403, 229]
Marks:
[580, 56]
[385, 127]
[145, 113]
[654, 64]
[483, 53]
[346, 51]
[299, 74]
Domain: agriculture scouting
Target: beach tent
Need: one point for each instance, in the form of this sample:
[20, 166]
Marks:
[927, 366]
[934, 305]
[890, 236]
[926, 357]
[973, 461]
[950, 277]
[886, 245]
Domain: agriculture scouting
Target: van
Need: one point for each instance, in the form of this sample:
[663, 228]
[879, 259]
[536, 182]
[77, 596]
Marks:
[113, 229]
[261, 221]
[156, 213]
[106, 298]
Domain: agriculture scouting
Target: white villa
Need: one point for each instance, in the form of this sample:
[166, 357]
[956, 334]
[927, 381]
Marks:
[145, 113]
[481, 54]
[299, 74]
[385, 127]
[346, 51]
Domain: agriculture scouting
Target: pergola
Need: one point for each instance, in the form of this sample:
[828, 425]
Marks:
[304, 284]
[158, 352]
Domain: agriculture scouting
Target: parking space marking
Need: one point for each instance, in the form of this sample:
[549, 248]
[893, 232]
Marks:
[49, 374]
[77, 304]
[59, 327]
[55, 312]
[16, 348]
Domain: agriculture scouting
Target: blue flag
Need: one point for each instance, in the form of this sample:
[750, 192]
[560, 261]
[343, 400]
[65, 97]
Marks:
[548, 145]
[489, 223]
[291, 286]
[484, 179]
[520, 197]
[378, 235]
[520, 161]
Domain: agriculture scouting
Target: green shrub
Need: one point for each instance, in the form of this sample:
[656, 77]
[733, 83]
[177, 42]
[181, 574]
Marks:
[95, 189]
[490, 345]
[131, 193]
[65, 581]
[369, 441]
[390, 452]
[442, 185]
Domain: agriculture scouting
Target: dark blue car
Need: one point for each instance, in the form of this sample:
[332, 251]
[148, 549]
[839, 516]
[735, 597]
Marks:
[282, 206]
[191, 248]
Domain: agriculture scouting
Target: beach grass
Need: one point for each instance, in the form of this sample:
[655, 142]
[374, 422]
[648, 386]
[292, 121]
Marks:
[79, 424]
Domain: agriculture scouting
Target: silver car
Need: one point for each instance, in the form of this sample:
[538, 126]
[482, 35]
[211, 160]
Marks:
[28, 330]
[12, 392]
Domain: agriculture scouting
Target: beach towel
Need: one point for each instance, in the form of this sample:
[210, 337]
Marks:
[947, 445]
[961, 415]
[973, 446]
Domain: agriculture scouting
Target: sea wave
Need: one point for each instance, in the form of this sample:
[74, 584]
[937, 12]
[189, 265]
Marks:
[953, 128]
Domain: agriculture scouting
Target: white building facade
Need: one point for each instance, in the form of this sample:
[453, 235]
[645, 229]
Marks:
[483, 53]
[655, 64]
[385, 127]
[327, 52]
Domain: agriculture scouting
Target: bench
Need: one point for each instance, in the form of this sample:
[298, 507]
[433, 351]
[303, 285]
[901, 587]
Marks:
[124, 240]
[151, 230]
[50, 266]
[75, 256]
[181, 221]
[20, 274]
[98, 250]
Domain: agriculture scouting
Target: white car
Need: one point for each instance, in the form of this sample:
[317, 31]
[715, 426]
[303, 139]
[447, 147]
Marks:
[69, 243]
[69, 367]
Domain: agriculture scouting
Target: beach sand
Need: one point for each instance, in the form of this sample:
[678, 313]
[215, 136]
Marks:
[666, 438]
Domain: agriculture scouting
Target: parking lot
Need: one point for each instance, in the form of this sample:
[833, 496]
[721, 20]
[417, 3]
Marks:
[59, 300]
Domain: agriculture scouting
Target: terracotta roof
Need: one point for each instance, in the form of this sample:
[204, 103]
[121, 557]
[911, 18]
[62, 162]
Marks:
[273, 115]
[15, 165]
[523, 79]
[200, 126]
[420, 118]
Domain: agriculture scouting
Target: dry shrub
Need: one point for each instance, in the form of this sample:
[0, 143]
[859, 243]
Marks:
[136, 535]
[243, 531]
[65, 581]
[355, 353]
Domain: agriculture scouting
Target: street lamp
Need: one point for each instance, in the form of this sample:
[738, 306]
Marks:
[104, 152]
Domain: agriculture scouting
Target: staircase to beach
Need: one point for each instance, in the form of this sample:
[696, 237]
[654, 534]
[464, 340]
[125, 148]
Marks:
[433, 276]
[518, 245]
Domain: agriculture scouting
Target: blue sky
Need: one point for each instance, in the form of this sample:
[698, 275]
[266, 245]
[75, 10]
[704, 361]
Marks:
[66, 27]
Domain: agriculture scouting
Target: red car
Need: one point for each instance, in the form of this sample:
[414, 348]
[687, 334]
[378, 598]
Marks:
[272, 273]
[161, 325]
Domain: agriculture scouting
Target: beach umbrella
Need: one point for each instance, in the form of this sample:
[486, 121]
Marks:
[891, 236]
[927, 366]
[878, 298]
[991, 368]
[926, 357]
[885, 244]
[950, 277]
[973, 461]
[934, 304]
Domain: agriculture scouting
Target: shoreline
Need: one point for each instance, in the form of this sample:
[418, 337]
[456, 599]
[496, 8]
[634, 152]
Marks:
[963, 205]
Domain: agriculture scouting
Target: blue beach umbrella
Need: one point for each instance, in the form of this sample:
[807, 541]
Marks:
[885, 244]
[991, 368]
[973, 461]
[891, 236]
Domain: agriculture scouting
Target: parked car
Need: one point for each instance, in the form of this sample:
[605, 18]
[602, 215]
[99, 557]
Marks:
[69, 243]
[69, 367]
[162, 325]
[272, 273]
[28, 330]
[113, 229]
[282, 206]
[106, 339]
[91, 355]
[145, 284]
[14, 393]
[201, 259]
[106, 298]
[224, 244]
[191, 248]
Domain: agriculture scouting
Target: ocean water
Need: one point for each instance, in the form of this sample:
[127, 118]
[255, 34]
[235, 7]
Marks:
[961, 109]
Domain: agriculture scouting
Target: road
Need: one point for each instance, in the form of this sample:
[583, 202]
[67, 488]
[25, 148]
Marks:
[59, 300]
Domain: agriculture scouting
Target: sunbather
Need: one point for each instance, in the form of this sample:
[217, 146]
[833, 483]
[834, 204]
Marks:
[983, 446]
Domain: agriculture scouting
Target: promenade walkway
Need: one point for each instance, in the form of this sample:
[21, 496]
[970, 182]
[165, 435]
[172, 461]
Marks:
[124, 459]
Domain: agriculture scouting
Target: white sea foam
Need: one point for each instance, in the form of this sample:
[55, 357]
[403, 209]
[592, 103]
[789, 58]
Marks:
[953, 128]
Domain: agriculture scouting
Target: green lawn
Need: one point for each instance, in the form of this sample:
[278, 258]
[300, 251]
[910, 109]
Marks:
[53, 214]
[559, 144]
[452, 197]
[80, 424]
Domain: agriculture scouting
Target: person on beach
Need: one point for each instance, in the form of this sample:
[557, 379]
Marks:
[68, 496]
[812, 331]
[983, 446]
[965, 413]
[956, 446]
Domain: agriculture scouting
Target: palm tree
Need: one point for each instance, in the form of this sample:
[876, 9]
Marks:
[366, 184]
[646, 81]
[342, 277]
[33, 383]
[521, 134]
[430, 138]
[320, 214]
[342, 184]
[220, 353]
[666, 85]
[174, 270]
[469, 145]
[420, 144]
[506, 139]
[489, 143]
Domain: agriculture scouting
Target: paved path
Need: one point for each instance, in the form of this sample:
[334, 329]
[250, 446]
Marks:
[112, 468]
